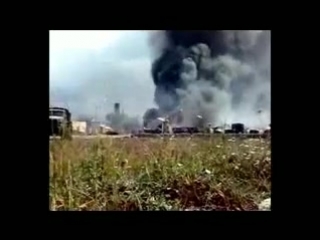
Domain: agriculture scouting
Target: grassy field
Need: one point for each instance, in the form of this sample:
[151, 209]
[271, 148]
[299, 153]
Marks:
[159, 174]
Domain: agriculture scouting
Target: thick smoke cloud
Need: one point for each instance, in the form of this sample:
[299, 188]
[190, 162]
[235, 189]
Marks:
[224, 76]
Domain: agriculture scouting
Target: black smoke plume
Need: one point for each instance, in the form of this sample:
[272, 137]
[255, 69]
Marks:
[221, 75]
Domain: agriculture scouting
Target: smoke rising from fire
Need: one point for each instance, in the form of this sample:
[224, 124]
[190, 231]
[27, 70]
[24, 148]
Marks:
[224, 76]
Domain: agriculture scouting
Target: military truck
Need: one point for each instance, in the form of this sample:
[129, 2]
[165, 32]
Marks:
[60, 122]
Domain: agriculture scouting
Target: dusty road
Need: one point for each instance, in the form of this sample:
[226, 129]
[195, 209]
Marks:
[94, 136]
[102, 136]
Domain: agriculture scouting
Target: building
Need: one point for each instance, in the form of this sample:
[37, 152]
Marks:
[79, 127]
[117, 108]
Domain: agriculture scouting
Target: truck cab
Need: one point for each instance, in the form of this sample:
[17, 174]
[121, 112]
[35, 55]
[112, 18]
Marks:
[59, 121]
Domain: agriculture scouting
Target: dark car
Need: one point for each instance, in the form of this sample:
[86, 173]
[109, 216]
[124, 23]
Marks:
[60, 122]
[189, 130]
[229, 131]
[237, 127]
[254, 131]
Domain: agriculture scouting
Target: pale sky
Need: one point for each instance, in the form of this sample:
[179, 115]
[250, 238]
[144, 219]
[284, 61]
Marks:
[64, 40]
[90, 70]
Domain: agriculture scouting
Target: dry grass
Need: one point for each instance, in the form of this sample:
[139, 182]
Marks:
[159, 174]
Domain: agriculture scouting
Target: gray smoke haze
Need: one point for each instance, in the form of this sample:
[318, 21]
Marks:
[92, 76]
[223, 76]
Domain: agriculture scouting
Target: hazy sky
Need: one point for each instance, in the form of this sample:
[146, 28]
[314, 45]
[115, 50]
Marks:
[90, 70]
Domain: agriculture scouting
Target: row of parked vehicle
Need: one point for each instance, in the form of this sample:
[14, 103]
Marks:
[236, 128]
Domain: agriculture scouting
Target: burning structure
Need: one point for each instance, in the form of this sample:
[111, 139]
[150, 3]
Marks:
[218, 75]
